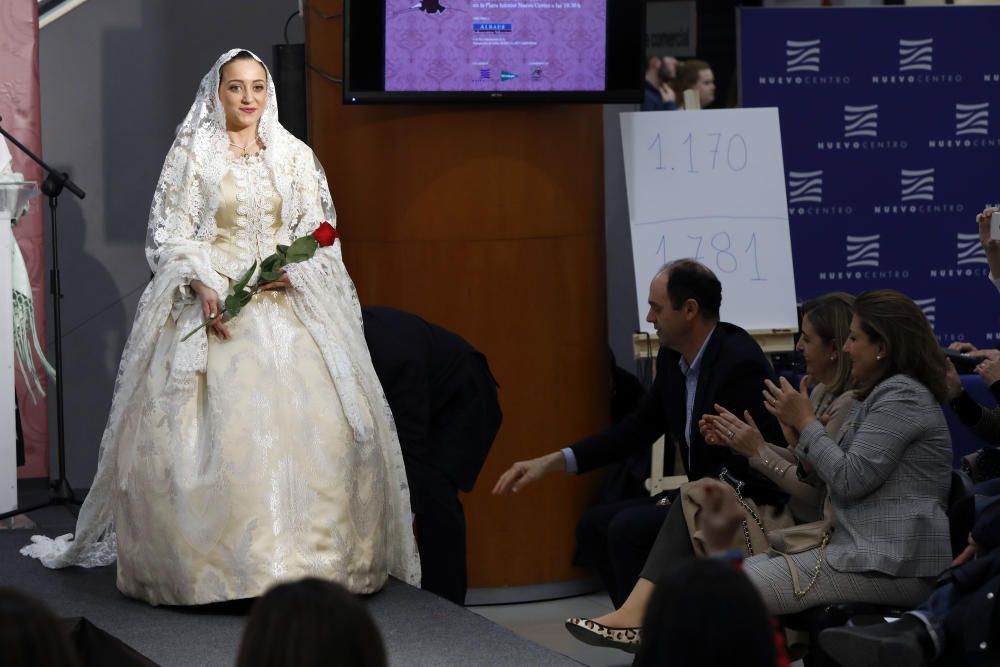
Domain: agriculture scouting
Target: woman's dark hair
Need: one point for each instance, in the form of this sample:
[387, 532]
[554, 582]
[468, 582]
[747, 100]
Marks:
[31, 635]
[706, 612]
[240, 55]
[911, 348]
[831, 315]
[310, 622]
[688, 279]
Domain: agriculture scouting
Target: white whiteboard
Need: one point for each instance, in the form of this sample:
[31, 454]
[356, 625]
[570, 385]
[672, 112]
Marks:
[710, 185]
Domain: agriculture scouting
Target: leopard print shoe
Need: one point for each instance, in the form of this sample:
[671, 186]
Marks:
[595, 634]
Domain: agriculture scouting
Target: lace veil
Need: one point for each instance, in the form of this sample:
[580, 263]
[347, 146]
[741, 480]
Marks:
[187, 194]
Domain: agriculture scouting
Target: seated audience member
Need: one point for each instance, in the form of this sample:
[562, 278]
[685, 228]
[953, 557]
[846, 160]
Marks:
[624, 482]
[443, 399]
[981, 421]
[307, 623]
[626, 390]
[888, 473]
[706, 612]
[984, 423]
[826, 323]
[694, 75]
[825, 328]
[31, 635]
[957, 624]
[658, 95]
[701, 362]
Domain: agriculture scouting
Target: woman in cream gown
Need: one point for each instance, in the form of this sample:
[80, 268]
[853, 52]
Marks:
[264, 450]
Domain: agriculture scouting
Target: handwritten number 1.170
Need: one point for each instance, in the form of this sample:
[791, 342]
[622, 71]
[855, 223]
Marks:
[659, 151]
[737, 154]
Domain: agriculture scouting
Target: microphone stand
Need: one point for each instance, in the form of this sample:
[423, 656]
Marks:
[52, 187]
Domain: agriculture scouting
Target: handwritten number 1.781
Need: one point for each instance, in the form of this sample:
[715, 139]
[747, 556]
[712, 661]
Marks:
[725, 258]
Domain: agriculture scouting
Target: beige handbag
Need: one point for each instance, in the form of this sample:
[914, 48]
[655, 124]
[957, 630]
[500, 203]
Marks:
[752, 537]
[803, 537]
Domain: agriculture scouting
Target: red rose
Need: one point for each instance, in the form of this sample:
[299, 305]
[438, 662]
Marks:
[326, 234]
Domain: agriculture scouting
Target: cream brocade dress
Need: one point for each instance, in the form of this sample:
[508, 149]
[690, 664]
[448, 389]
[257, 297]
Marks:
[253, 477]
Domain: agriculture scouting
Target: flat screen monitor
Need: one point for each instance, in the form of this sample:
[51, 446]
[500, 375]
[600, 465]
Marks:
[493, 50]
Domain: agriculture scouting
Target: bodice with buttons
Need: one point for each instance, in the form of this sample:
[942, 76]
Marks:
[248, 217]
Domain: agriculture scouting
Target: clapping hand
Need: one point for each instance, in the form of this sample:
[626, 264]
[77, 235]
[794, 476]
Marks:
[727, 429]
[791, 407]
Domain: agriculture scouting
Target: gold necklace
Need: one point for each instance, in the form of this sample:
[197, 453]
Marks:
[245, 153]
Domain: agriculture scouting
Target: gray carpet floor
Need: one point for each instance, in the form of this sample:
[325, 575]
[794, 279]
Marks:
[419, 628]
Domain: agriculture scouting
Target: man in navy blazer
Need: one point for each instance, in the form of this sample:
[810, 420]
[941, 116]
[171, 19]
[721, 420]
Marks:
[702, 362]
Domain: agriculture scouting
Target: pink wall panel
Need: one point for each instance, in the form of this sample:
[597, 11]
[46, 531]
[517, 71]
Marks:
[20, 107]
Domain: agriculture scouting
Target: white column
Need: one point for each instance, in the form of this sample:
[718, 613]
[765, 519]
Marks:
[8, 432]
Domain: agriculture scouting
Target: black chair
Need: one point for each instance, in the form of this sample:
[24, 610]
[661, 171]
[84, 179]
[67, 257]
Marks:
[961, 487]
[961, 510]
[815, 620]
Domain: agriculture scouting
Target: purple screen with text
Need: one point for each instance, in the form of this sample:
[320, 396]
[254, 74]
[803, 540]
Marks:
[495, 45]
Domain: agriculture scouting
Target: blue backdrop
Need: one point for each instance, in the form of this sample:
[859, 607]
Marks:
[890, 124]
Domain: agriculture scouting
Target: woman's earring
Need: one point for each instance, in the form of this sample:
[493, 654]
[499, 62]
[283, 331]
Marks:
[878, 357]
[833, 357]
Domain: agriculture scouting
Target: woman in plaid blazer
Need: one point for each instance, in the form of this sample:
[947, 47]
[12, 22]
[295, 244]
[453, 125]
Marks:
[888, 474]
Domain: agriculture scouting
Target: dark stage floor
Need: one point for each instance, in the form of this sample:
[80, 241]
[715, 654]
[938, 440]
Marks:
[418, 628]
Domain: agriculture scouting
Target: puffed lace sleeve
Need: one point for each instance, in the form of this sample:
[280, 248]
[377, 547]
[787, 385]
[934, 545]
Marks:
[181, 223]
